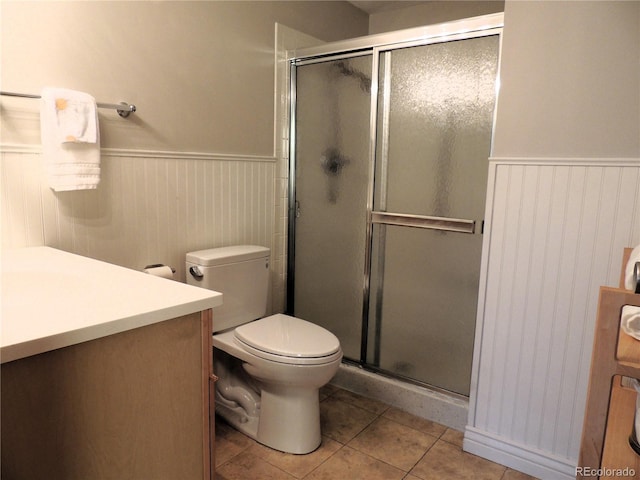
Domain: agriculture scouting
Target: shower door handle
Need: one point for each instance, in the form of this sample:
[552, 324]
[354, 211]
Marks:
[423, 221]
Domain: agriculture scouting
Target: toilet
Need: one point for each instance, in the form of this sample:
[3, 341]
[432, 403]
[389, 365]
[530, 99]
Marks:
[269, 369]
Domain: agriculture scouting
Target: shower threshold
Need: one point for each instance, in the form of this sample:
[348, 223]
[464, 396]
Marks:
[431, 403]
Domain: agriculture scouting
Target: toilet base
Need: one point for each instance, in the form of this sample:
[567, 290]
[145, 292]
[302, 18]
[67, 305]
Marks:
[237, 418]
[289, 419]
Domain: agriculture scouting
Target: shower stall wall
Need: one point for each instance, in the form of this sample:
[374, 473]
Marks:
[389, 159]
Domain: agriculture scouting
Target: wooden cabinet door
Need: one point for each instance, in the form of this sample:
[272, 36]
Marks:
[126, 406]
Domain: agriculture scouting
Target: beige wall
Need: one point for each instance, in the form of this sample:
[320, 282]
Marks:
[200, 73]
[431, 13]
[197, 165]
[570, 80]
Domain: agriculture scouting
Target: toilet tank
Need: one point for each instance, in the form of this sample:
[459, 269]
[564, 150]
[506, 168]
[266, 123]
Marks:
[240, 273]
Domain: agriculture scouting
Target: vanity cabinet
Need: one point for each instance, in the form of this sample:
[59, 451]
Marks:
[137, 405]
[611, 406]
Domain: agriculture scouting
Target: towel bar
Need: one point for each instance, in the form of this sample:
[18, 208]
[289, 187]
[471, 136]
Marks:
[124, 109]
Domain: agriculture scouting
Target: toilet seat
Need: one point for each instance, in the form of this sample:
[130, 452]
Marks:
[285, 339]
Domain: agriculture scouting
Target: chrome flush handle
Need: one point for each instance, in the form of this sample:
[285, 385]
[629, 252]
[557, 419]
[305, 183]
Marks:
[196, 273]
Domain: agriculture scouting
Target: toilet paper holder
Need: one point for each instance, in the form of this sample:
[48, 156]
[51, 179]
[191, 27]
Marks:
[160, 270]
[157, 265]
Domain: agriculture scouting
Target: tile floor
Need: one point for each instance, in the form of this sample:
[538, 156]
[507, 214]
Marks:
[362, 439]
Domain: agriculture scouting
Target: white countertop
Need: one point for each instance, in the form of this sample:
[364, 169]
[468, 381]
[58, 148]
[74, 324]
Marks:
[52, 299]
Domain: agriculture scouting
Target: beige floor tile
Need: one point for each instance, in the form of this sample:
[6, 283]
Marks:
[417, 423]
[327, 391]
[349, 464]
[383, 443]
[297, 465]
[229, 442]
[453, 436]
[445, 461]
[515, 475]
[365, 403]
[247, 466]
[393, 443]
[342, 421]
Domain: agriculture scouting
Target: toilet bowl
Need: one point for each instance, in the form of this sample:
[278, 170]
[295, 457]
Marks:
[269, 369]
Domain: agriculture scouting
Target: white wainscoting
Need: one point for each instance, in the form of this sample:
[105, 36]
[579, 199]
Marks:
[150, 207]
[555, 231]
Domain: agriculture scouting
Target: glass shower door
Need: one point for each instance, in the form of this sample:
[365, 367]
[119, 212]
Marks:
[332, 176]
[435, 116]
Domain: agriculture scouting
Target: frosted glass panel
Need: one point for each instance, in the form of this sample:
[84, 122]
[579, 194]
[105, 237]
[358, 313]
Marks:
[435, 106]
[332, 177]
[426, 305]
[442, 101]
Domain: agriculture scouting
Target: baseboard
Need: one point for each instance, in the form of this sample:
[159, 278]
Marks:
[517, 457]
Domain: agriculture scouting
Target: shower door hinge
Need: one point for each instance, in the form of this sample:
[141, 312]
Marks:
[297, 209]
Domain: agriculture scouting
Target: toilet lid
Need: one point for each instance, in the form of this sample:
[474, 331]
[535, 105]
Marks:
[288, 336]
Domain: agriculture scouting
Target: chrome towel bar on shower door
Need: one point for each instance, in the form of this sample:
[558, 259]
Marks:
[424, 221]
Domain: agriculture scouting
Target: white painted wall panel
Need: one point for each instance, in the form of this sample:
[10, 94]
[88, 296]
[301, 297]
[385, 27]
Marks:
[555, 233]
[147, 209]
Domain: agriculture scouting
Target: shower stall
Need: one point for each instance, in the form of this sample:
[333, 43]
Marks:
[390, 139]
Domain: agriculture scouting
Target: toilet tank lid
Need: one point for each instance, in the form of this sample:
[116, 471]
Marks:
[224, 255]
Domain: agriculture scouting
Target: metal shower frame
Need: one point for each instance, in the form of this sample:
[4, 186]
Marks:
[376, 45]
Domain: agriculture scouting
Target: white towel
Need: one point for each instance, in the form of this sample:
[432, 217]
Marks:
[630, 321]
[70, 139]
[629, 284]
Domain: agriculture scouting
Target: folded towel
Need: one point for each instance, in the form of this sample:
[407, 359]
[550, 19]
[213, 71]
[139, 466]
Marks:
[630, 321]
[70, 139]
[629, 282]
